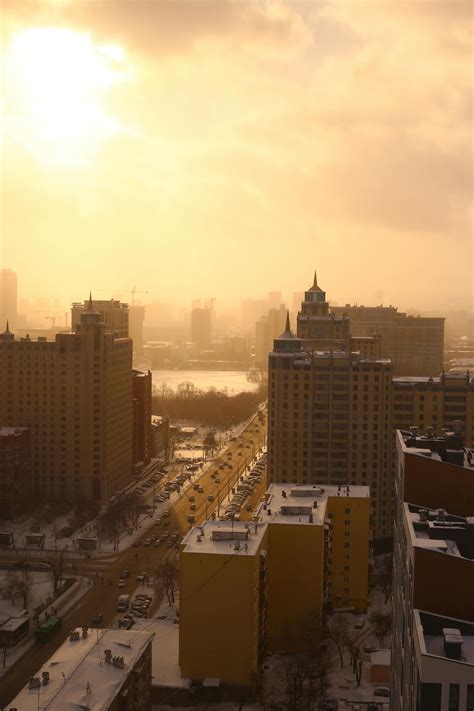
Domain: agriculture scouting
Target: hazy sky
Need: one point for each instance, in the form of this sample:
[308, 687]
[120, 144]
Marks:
[226, 148]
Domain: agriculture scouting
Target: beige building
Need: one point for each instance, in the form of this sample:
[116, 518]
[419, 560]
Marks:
[267, 329]
[436, 402]
[329, 416]
[114, 314]
[75, 395]
[415, 344]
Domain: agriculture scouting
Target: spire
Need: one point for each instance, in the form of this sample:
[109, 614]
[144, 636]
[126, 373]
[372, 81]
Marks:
[91, 308]
[315, 280]
[7, 330]
[287, 327]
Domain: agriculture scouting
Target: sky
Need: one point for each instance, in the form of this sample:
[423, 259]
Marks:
[224, 149]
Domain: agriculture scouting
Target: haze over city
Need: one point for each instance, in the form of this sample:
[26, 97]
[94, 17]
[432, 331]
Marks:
[237, 355]
[235, 144]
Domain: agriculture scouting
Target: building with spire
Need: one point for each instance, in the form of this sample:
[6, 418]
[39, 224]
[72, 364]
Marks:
[75, 396]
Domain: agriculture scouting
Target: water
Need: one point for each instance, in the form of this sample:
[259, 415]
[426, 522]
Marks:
[234, 381]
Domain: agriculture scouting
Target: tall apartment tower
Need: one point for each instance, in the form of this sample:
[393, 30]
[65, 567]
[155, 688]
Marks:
[8, 297]
[75, 396]
[201, 327]
[329, 416]
[317, 326]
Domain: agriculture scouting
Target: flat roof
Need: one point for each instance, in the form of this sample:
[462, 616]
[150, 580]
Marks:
[440, 531]
[225, 538]
[295, 503]
[432, 630]
[8, 431]
[79, 677]
[447, 447]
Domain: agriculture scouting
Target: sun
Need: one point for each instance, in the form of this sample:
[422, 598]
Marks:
[56, 81]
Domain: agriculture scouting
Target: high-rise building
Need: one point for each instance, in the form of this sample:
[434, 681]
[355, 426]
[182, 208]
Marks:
[114, 314]
[141, 404]
[250, 312]
[135, 328]
[201, 327]
[318, 557]
[14, 467]
[223, 593]
[435, 402]
[75, 395]
[274, 299]
[317, 326]
[8, 297]
[329, 416]
[106, 669]
[415, 344]
[266, 330]
[433, 575]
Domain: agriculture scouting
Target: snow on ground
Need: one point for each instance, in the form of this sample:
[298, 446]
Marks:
[41, 587]
[63, 604]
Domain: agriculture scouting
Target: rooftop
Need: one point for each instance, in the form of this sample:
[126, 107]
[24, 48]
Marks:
[225, 538]
[9, 431]
[79, 676]
[303, 504]
[440, 531]
[446, 447]
[445, 637]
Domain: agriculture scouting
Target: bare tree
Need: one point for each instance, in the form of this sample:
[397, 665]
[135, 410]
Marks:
[168, 577]
[24, 582]
[337, 631]
[382, 624]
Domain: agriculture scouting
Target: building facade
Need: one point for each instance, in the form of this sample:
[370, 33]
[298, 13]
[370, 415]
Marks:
[222, 603]
[114, 314]
[201, 327]
[75, 396]
[317, 560]
[415, 344]
[329, 416]
[433, 575]
[141, 405]
[14, 467]
[267, 329]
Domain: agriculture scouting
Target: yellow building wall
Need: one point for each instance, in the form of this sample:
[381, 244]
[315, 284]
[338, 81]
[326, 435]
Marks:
[219, 616]
[295, 585]
[348, 554]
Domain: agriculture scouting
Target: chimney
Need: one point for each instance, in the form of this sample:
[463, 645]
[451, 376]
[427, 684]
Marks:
[45, 676]
[108, 656]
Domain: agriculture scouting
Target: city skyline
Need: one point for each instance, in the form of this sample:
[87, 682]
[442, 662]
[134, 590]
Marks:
[273, 116]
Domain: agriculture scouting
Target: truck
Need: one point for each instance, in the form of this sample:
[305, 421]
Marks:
[123, 603]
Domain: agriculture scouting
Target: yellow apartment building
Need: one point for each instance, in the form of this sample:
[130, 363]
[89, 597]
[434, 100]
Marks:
[318, 556]
[222, 602]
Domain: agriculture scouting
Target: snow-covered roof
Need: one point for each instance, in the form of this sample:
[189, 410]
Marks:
[79, 676]
[225, 538]
[380, 658]
[303, 503]
[437, 530]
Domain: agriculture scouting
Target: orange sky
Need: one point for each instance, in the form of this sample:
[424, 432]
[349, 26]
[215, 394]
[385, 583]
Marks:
[223, 149]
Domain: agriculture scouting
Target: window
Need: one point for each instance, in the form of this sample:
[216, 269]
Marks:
[453, 704]
[470, 698]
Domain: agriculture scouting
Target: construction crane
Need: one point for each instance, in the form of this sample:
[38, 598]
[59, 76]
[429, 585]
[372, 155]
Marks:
[131, 291]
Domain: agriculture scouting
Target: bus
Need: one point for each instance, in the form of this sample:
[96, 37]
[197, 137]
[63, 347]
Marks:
[45, 631]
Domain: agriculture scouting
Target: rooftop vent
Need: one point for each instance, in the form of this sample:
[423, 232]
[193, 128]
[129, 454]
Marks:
[45, 676]
[458, 427]
[283, 493]
[34, 682]
[452, 642]
[198, 538]
[84, 632]
[441, 515]
[108, 656]
[429, 431]
[315, 504]
[423, 513]
[74, 636]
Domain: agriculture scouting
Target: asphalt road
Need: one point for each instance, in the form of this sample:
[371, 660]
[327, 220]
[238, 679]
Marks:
[102, 596]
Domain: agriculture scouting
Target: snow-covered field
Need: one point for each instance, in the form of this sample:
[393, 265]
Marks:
[40, 585]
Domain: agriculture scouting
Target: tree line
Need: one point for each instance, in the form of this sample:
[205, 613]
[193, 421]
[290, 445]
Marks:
[214, 408]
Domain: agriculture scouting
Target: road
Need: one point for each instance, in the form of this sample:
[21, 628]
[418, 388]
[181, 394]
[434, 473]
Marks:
[103, 596]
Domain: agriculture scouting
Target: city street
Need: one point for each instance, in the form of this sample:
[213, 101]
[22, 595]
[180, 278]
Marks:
[103, 571]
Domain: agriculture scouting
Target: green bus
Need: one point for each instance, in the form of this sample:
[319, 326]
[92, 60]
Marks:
[45, 631]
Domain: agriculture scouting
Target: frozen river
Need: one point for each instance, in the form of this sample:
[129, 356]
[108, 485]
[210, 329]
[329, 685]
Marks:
[234, 381]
